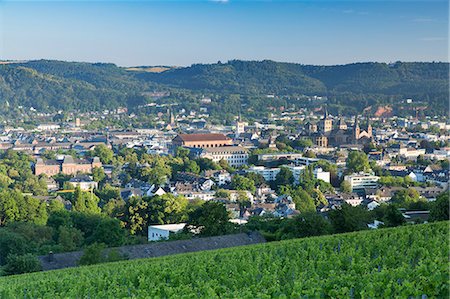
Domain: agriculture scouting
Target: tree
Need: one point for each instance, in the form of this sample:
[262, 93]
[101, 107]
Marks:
[307, 224]
[390, 215]
[98, 174]
[257, 178]
[12, 243]
[70, 238]
[9, 211]
[210, 219]
[284, 178]
[349, 218]
[346, 187]
[105, 154]
[191, 166]
[239, 182]
[109, 232]
[357, 161]
[182, 152]
[303, 201]
[406, 197]
[79, 203]
[18, 264]
[207, 164]
[222, 193]
[86, 202]
[440, 208]
[93, 254]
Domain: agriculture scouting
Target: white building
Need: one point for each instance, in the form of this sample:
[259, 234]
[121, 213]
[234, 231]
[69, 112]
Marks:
[322, 175]
[162, 232]
[360, 181]
[203, 195]
[85, 183]
[235, 155]
[270, 174]
[411, 153]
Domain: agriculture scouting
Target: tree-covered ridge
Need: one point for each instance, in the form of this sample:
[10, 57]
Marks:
[288, 78]
[53, 85]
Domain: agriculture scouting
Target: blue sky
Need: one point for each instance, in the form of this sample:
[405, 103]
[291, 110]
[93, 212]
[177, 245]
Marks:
[131, 33]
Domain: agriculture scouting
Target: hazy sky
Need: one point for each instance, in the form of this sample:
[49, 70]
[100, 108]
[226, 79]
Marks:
[184, 32]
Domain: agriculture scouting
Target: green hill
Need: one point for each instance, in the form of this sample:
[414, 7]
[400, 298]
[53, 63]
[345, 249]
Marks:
[404, 262]
[54, 85]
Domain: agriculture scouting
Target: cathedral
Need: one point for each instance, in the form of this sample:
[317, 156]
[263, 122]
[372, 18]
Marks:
[324, 134]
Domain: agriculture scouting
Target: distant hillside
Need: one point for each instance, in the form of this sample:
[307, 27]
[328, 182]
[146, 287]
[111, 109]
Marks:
[376, 83]
[53, 85]
[403, 262]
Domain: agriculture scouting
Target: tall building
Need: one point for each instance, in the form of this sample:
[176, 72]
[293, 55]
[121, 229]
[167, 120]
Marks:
[326, 123]
[362, 133]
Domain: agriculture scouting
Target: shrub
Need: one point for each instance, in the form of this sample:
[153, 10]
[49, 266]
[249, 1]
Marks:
[18, 264]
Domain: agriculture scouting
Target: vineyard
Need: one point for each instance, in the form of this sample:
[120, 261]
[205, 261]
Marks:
[405, 262]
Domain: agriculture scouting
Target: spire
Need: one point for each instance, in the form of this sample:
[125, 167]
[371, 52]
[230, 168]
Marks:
[325, 114]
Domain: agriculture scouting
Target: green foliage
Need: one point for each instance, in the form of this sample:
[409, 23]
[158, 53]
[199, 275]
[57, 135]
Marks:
[105, 154]
[349, 218]
[18, 264]
[69, 86]
[140, 212]
[306, 224]
[256, 178]
[210, 219]
[357, 161]
[70, 238]
[207, 164]
[302, 199]
[407, 196]
[284, 178]
[365, 264]
[239, 182]
[98, 174]
[440, 208]
[222, 193]
[390, 215]
[16, 207]
[93, 254]
[86, 202]
[346, 187]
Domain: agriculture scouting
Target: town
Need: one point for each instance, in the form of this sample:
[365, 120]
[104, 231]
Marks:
[265, 168]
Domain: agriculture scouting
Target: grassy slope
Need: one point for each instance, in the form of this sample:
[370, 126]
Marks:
[389, 263]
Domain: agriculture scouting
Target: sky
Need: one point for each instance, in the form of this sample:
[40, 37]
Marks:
[180, 33]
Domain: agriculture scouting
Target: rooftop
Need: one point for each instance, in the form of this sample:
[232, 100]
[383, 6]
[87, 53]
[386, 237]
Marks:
[203, 137]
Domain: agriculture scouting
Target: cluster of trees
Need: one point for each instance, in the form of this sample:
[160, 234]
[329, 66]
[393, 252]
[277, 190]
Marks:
[21, 240]
[16, 173]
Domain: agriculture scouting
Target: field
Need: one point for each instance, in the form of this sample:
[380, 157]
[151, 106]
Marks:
[405, 262]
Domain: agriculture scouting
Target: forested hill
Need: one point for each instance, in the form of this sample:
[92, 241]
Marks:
[54, 85]
[289, 78]
[49, 85]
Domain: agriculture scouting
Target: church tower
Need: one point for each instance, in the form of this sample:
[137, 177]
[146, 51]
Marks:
[356, 129]
[369, 127]
[326, 124]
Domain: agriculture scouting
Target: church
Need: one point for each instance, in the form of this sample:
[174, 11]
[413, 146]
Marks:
[324, 134]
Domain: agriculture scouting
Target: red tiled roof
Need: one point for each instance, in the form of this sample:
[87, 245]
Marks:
[203, 137]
